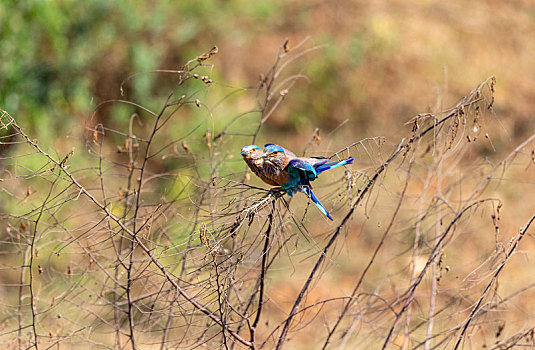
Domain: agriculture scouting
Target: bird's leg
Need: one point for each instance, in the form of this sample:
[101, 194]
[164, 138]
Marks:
[277, 192]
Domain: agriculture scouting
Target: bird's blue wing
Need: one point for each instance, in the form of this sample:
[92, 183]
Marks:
[316, 161]
[301, 170]
[296, 177]
[300, 173]
[302, 165]
[332, 165]
[271, 147]
[316, 201]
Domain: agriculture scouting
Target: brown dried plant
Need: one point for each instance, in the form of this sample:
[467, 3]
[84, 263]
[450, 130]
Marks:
[163, 242]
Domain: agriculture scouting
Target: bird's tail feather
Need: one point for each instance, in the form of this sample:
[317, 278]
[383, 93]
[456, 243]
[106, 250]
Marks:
[316, 201]
[332, 165]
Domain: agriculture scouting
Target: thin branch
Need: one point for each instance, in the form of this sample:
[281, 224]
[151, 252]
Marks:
[494, 278]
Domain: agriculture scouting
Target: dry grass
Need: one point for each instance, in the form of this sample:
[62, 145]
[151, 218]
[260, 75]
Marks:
[165, 241]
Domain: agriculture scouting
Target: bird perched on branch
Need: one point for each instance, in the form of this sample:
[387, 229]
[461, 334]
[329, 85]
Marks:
[278, 166]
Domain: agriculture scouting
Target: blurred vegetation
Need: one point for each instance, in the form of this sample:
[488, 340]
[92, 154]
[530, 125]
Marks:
[60, 58]
[376, 65]
[382, 61]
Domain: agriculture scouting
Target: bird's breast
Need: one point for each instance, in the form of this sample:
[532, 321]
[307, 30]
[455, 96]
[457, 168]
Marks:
[275, 172]
[258, 166]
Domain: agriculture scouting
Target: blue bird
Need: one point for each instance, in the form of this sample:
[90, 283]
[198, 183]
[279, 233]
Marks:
[280, 167]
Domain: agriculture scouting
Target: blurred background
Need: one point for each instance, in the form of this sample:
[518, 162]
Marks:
[370, 66]
[379, 64]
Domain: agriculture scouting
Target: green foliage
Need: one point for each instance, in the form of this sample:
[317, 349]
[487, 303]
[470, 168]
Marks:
[60, 58]
[46, 51]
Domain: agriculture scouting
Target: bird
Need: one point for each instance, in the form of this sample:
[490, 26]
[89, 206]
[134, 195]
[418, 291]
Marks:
[254, 157]
[278, 166]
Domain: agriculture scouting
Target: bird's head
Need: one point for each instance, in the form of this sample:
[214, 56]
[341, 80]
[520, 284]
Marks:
[252, 154]
[272, 148]
[250, 151]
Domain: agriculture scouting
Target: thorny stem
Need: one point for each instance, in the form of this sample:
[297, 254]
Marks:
[23, 268]
[33, 305]
[138, 240]
[415, 250]
[476, 307]
[130, 267]
[473, 98]
[99, 130]
[262, 278]
[371, 261]
[270, 79]
[220, 298]
[436, 248]
[435, 267]
[182, 271]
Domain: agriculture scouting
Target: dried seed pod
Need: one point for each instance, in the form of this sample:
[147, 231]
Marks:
[214, 50]
[185, 146]
[95, 136]
[262, 79]
[202, 235]
[416, 125]
[208, 137]
[316, 137]
[220, 135]
[500, 329]
[285, 46]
